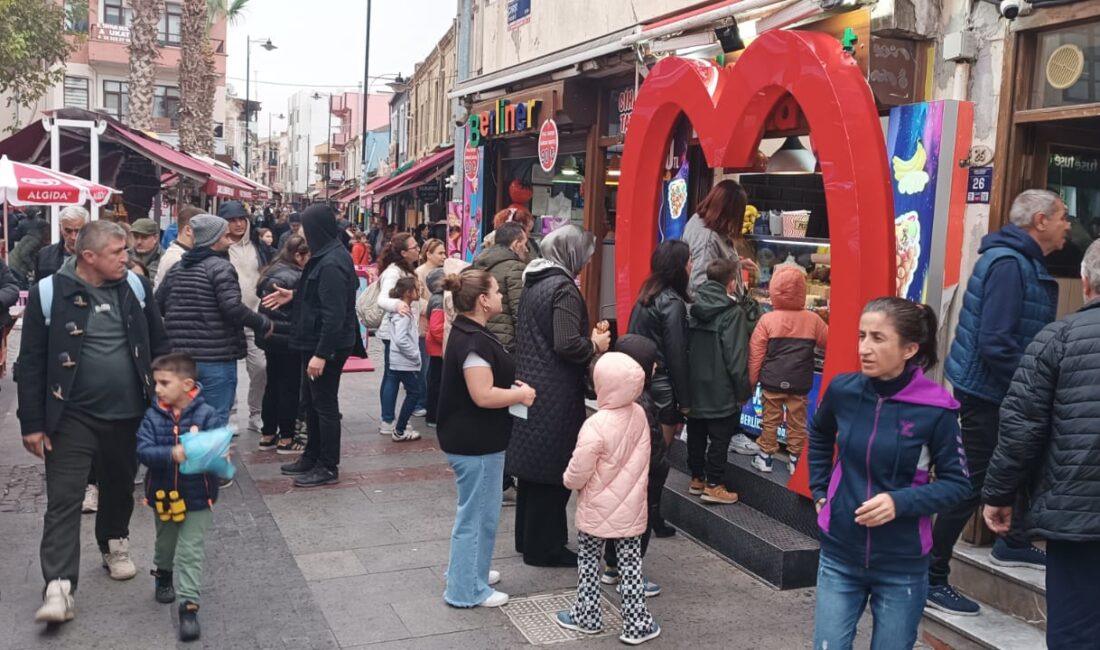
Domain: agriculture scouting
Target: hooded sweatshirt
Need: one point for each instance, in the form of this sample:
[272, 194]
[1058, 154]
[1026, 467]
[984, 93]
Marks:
[610, 464]
[888, 436]
[781, 353]
[323, 317]
[718, 339]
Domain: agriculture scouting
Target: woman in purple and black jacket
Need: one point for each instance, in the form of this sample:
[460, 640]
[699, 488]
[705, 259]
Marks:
[890, 427]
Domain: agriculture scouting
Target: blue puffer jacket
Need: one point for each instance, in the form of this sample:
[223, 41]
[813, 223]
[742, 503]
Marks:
[998, 318]
[158, 433]
[885, 444]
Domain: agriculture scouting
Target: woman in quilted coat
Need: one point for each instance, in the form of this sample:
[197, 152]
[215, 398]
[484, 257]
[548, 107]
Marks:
[610, 470]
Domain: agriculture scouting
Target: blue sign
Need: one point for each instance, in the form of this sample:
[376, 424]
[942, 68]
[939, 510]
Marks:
[979, 184]
[519, 13]
[752, 414]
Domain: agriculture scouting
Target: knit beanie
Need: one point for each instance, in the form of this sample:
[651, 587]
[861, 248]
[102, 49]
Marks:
[207, 229]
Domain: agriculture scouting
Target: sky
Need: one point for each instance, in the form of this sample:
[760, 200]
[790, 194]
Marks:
[321, 45]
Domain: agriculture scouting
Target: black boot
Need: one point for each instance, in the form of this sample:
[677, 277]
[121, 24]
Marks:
[165, 592]
[661, 527]
[189, 621]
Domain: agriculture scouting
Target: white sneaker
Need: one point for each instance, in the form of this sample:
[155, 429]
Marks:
[91, 499]
[255, 424]
[409, 435]
[386, 429]
[496, 600]
[494, 577]
[57, 604]
[419, 413]
[763, 462]
[117, 559]
[792, 463]
[742, 444]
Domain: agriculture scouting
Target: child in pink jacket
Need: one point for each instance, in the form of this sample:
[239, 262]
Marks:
[610, 470]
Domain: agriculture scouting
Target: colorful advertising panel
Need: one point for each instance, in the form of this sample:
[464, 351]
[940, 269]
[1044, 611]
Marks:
[473, 201]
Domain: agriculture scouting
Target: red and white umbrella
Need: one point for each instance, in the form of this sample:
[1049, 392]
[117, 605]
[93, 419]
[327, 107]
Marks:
[26, 184]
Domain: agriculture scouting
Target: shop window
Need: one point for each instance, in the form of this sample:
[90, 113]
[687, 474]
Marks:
[76, 92]
[1067, 67]
[1074, 173]
[76, 17]
[557, 197]
[116, 99]
[170, 21]
[166, 103]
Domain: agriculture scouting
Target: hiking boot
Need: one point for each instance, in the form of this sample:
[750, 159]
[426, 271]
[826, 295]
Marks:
[301, 466]
[1028, 557]
[408, 435]
[946, 599]
[718, 494]
[57, 603]
[763, 462]
[117, 559]
[91, 500]
[164, 592]
[697, 486]
[742, 444]
[317, 477]
[189, 622]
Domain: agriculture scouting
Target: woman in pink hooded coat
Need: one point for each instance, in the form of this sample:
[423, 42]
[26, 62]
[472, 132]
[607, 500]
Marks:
[610, 471]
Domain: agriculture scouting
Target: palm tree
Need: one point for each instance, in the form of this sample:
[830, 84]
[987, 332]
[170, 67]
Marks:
[194, 41]
[231, 11]
[144, 53]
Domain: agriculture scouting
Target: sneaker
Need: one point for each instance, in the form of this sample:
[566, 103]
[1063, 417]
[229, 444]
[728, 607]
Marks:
[117, 559]
[565, 619]
[57, 603]
[946, 599]
[317, 477]
[1028, 557]
[291, 446]
[430, 424]
[408, 435]
[610, 576]
[387, 428]
[255, 424]
[792, 463]
[301, 466]
[718, 494]
[697, 486]
[267, 443]
[653, 633]
[763, 462]
[91, 500]
[419, 413]
[164, 592]
[494, 577]
[225, 483]
[744, 445]
[649, 588]
[496, 599]
[189, 622]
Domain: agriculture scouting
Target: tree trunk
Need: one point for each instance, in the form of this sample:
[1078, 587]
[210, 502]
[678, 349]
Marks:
[193, 41]
[143, 61]
[209, 89]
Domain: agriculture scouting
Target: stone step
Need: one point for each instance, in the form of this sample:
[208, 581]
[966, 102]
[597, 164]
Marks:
[991, 630]
[1018, 592]
[767, 493]
[774, 552]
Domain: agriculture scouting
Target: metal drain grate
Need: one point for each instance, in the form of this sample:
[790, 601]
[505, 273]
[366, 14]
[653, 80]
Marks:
[534, 616]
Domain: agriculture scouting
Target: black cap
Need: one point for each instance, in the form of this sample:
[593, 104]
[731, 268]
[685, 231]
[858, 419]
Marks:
[294, 218]
[232, 210]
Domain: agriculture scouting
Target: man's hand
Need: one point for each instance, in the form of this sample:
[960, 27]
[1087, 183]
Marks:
[315, 368]
[998, 518]
[178, 454]
[37, 443]
[876, 511]
[277, 298]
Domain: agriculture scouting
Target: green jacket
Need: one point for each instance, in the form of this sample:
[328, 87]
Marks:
[720, 327]
[507, 268]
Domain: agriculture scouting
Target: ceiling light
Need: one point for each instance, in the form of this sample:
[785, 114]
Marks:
[792, 158]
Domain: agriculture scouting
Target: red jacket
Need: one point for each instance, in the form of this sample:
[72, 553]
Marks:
[434, 340]
[360, 254]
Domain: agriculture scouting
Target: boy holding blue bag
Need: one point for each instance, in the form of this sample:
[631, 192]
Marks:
[182, 502]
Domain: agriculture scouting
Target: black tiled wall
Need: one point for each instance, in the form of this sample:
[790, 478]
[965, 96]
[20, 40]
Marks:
[790, 192]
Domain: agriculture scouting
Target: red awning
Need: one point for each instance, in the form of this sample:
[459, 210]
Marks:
[425, 170]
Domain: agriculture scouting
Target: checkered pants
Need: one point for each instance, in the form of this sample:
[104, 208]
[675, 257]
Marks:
[586, 611]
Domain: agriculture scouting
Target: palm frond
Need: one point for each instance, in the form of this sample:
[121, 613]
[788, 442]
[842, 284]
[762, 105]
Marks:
[231, 10]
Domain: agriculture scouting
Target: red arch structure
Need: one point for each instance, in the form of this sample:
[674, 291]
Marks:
[728, 108]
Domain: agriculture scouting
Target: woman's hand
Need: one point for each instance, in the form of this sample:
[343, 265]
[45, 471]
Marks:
[601, 340]
[876, 511]
[527, 393]
[277, 298]
[403, 308]
[750, 265]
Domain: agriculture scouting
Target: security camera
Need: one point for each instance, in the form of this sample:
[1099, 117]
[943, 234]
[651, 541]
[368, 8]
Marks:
[1011, 9]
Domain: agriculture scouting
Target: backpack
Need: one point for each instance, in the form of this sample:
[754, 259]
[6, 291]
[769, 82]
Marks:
[45, 292]
[367, 308]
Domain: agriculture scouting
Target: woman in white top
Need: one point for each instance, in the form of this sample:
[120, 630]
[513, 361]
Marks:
[399, 259]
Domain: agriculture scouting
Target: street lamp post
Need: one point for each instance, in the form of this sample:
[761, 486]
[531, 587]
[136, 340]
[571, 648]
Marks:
[267, 45]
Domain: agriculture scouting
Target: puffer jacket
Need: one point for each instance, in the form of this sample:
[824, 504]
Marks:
[203, 312]
[507, 268]
[781, 354]
[159, 432]
[285, 276]
[719, 343]
[665, 322]
[1050, 422]
[610, 465]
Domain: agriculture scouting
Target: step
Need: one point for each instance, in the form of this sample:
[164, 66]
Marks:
[767, 493]
[990, 630]
[1015, 591]
[774, 552]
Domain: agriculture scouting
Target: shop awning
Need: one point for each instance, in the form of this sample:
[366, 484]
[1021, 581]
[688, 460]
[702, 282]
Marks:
[256, 191]
[346, 195]
[424, 171]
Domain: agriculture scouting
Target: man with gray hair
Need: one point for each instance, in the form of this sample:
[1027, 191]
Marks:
[1010, 297]
[51, 257]
[1050, 423]
[92, 319]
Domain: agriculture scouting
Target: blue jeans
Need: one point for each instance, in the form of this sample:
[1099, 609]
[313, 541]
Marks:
[219, 386]
[410, 379]
[897, 604]
[422, 403]
[390, 386]
[480, 482]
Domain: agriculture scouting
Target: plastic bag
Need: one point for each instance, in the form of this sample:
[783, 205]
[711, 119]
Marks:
[206, 452]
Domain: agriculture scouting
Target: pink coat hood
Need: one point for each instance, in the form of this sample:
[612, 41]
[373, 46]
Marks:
[610, 465]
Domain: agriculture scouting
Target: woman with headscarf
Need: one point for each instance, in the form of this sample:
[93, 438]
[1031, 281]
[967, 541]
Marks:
[554, 345]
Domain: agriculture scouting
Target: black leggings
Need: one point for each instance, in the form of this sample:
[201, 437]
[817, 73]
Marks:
[281, 396]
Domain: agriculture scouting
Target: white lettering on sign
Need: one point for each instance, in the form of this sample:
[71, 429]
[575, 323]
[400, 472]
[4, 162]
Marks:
[223, 189]
[48, 196]
[113, 33]
[1069, 161]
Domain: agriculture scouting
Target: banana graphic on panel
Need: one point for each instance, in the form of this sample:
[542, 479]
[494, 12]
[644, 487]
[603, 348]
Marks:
[910, 174]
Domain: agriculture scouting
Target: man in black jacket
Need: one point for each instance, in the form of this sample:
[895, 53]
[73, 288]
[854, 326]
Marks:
[51, 257]
[1050, 426]
[94, 322]
[204, 314]
[325, 331]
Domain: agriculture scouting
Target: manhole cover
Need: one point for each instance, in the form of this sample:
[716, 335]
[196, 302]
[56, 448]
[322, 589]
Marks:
[535, 618]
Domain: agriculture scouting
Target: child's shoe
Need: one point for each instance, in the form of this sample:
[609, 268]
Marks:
[565, 619]
[719, 494]
[697, 486]
[610, 575]
[763, 462]
[792, 463]
[649, 635]
[165, 593]
[189, 621]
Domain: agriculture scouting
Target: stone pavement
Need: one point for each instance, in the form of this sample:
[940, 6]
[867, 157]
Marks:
[355, 565]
